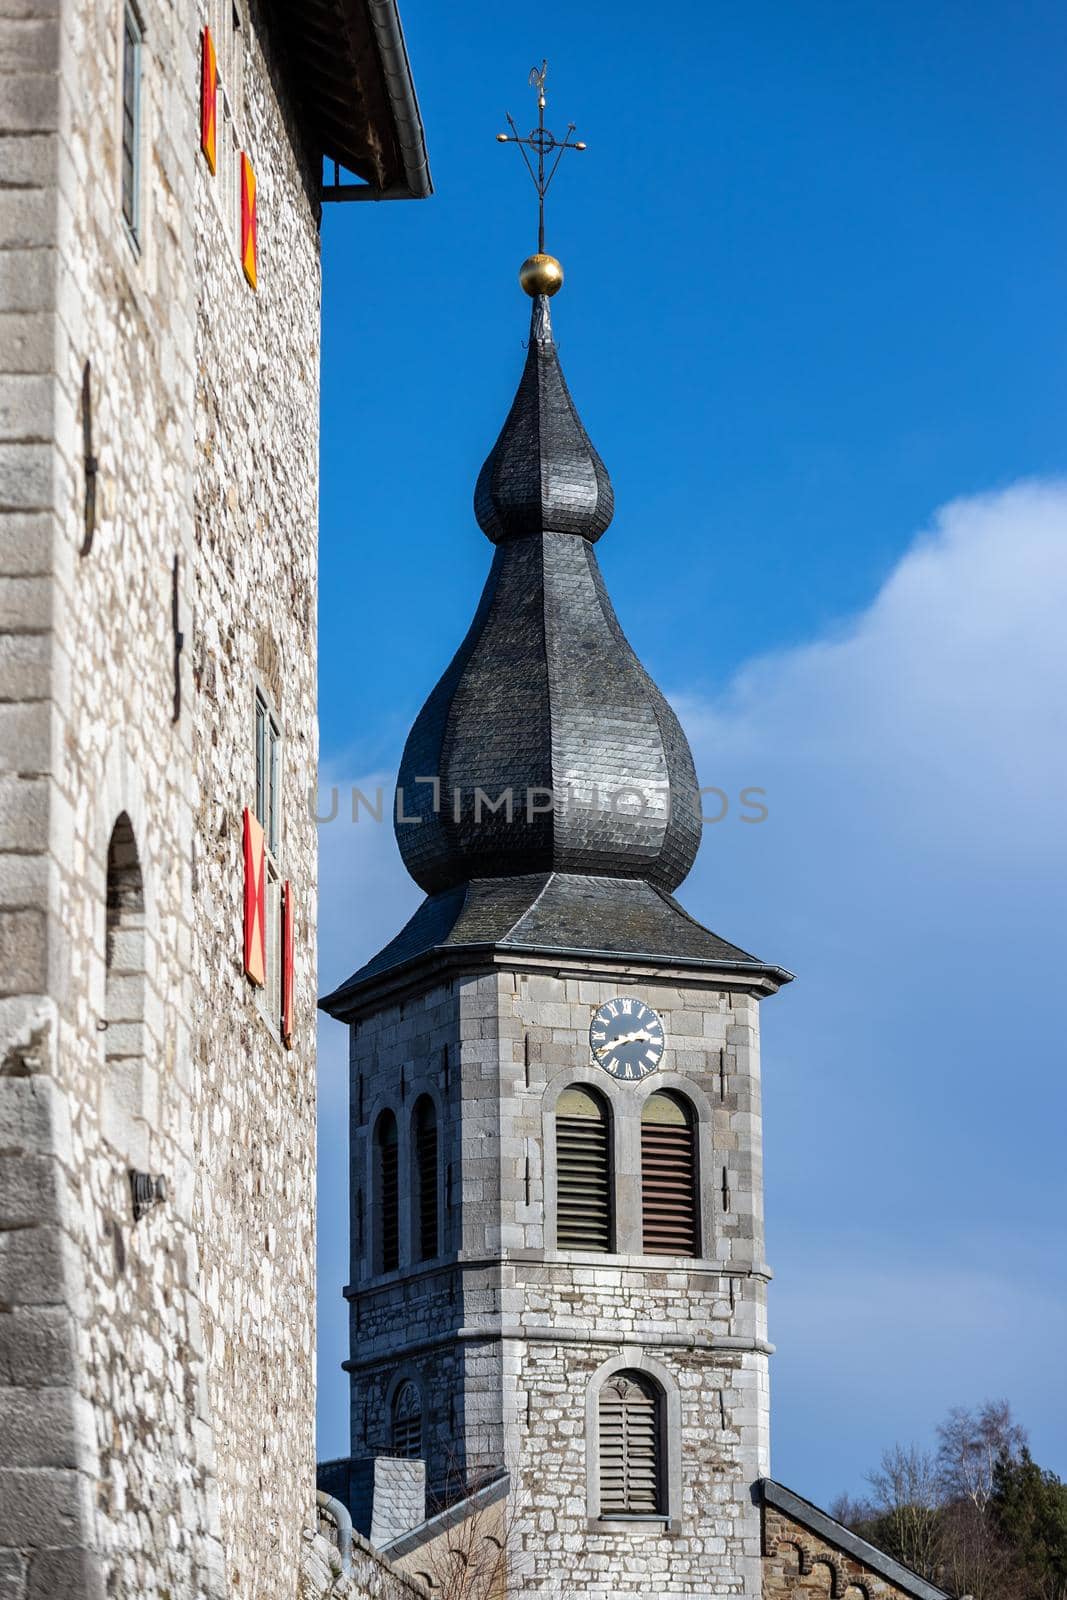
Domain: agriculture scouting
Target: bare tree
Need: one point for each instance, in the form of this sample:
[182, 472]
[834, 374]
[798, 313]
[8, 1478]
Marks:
[974, 1561]
[906, 1504]
[851, 1513]
[970, 1443]
[472, 1558]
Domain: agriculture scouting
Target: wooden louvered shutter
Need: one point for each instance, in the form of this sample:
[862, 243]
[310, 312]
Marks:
[426, 1170]
[388, 1194]
[630, 1466]
[407, 1423]
[668, 1177]
[583, 1167]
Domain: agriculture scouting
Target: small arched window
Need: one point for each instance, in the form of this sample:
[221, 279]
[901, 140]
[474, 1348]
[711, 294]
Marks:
[407, 1422]
[669, 1176]
[425, 1211]
[388, 1193]
[583, 1169]
[630, 1418]
[125, 947]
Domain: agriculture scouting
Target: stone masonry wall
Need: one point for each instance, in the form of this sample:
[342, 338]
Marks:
[156, 1376]
[505, 1333]
[798, 1564]
[256, 542]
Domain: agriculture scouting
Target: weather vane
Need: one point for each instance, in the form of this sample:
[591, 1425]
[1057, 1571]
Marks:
[541, 274]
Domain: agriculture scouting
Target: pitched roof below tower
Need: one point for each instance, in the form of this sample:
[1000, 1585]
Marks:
[795, 1529]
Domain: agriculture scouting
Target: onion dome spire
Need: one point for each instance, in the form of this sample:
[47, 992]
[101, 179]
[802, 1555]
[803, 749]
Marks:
[547, 798]
[551, 748]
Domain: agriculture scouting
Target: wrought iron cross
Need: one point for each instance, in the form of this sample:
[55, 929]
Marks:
[544, 142]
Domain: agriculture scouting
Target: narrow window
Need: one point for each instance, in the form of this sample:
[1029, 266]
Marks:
[407, 1423]
[583, 1166]
[631, 1447]
[426, 1222]
[669, 1177]
[388, 1195]
[228, 33]
[268, 739]
[268, 773]
[132, 40]
[125, 949]
[124, 1037]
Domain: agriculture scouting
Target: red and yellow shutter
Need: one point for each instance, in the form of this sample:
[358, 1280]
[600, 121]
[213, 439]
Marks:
[287, 966]
[255, 901]
[209, 87]
[248, 219]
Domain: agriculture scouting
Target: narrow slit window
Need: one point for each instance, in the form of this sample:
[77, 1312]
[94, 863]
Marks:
[669, 1177]
[583, 1166]
[132, 45]
[388, 1195]
[426, 1208]
[268, 810]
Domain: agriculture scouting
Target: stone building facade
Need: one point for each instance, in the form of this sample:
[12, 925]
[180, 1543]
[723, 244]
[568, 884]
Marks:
[158, 568]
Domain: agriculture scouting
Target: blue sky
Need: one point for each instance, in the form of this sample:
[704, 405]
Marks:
[814, 322]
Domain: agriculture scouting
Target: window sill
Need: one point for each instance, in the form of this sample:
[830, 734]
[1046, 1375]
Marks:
[635, 1527]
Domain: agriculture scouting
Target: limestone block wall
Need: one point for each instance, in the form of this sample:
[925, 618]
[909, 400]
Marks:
[156, 1374]
[254, 528]
[508, 1336]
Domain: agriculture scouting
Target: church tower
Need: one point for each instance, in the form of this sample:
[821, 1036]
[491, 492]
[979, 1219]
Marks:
[557, 1264]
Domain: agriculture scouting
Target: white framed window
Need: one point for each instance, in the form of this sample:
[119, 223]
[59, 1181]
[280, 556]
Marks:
[268, 809]
[229, 33]
[131, 131]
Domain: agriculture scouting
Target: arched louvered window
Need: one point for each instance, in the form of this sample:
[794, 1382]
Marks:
[426, 1222]
[583, 1172]
[669, 1176]
[388, 1193]
[407, 1422]
[631, 1447]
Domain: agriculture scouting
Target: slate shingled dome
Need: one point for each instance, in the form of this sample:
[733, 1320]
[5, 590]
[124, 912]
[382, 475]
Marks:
[545, 700]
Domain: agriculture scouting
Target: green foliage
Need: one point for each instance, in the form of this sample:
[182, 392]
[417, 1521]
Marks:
[1028, 1509]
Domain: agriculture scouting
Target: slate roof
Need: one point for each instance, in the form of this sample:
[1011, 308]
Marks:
[543, 474]
[549, 914]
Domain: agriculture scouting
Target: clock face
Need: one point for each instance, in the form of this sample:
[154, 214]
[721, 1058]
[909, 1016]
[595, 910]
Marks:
[626, 1038]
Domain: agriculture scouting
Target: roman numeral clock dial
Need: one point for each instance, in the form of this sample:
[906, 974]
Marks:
[626, 1038]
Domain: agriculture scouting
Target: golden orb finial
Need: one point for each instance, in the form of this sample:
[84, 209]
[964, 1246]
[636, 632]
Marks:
[541, 274]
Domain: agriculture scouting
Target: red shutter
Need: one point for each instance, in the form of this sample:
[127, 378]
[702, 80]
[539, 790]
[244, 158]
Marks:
[287, 965]
[249, 256]
[255, 900]
[209, 84]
